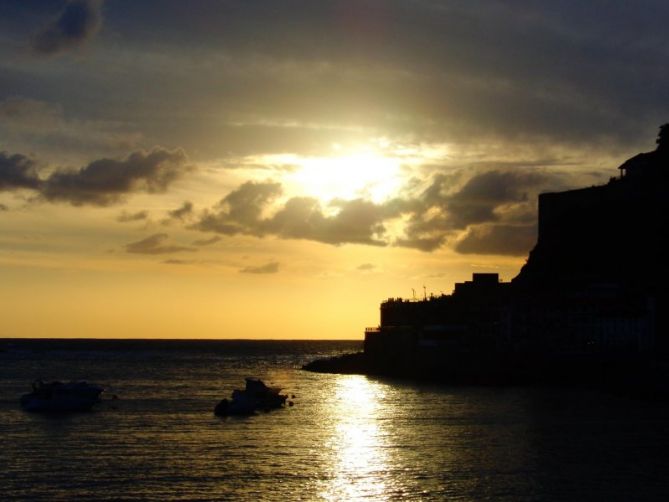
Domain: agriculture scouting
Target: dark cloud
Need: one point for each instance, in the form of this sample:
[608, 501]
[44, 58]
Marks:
[104, 182]
[448, 205]
[206, 242]
[356, 221]
[424, 241]
[181, 212]
[478, 199]
[178, 262]
[79, 21]
[427, 223]
[155, 244]
[515, 240]
[126, 217]
[299, 218]
[18, 171]
[241, 212]
[269, 268]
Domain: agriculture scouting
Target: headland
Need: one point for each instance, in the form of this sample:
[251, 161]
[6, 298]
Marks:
[591, 304]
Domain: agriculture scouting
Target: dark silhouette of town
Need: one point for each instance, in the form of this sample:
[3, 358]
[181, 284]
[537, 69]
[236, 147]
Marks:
[589, 305]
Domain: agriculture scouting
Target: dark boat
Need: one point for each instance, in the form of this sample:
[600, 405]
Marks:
[61, 397]
[256, 396]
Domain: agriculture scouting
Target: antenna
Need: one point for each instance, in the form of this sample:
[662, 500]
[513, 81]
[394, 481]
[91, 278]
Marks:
[414, 293]
[424, 292]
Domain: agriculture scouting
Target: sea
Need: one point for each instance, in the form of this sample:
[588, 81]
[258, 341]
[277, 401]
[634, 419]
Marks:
[346, 437]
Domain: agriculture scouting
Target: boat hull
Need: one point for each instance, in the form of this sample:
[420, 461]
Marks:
[60, 397]
[58, 405]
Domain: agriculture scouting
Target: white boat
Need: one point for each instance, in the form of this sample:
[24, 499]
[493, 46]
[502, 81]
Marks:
[256, 396]
[61, 397]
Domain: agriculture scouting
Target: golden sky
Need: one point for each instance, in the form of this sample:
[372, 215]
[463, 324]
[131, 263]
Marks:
[276, 169]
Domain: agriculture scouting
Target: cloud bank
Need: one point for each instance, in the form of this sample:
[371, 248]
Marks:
[241, 212]
[106, 181]
[474, 210]
[102, 182]
[489, 212]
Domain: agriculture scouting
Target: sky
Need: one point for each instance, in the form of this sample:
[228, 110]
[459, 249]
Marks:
[276, 169]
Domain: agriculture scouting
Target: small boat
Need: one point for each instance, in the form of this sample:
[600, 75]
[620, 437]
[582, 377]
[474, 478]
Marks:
[61, 397]
[256, 396]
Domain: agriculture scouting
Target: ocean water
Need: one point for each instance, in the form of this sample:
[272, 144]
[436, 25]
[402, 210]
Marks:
[348, 437]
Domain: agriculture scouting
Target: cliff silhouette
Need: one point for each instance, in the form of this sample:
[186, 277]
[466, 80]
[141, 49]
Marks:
[610, 233]
[609, 238]
[591, 302]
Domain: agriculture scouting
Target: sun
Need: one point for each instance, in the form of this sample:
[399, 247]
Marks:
[364, 173]
[376, 171]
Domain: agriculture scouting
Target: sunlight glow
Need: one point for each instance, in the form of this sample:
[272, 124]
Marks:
[364, 174]
[377, 170]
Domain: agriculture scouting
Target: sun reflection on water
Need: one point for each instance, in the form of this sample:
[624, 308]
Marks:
[359, 462]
